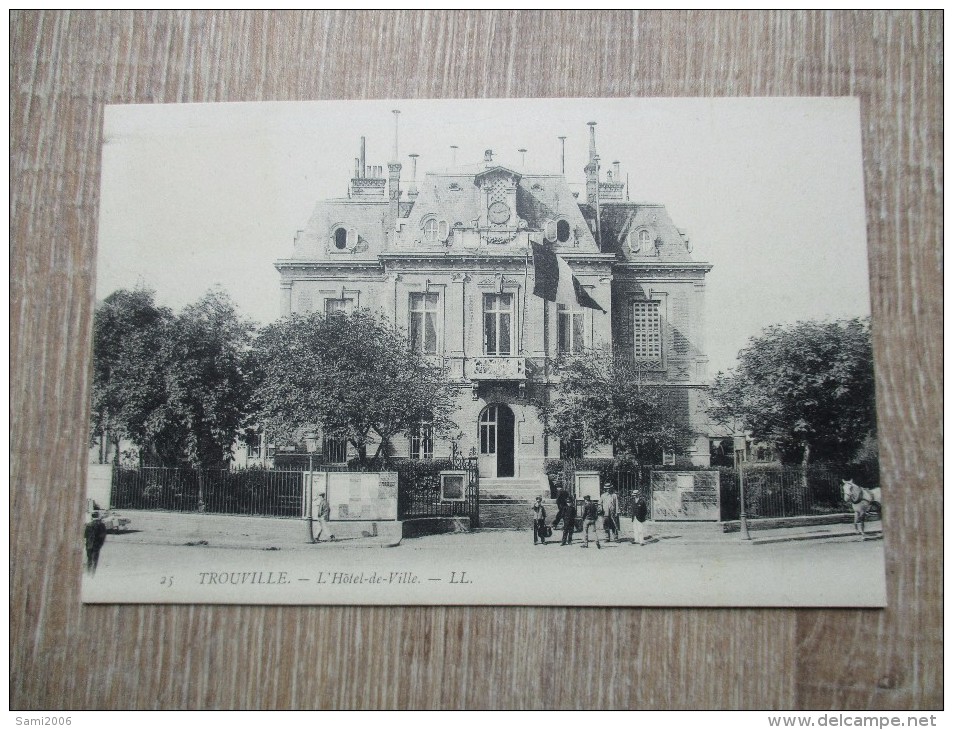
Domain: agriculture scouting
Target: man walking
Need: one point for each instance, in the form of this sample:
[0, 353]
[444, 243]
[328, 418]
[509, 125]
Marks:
[610, 512]
[639, 512]
[539, 521]
[94, 534]
[589, 514]
[567, 514]
[323, 515]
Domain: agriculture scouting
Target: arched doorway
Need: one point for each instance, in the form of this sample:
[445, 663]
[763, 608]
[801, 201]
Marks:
[497, 441]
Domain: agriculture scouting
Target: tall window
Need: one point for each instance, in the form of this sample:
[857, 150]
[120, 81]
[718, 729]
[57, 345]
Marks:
[335, 450]
[421, 441]
[571, 336]
[498, 324]
[423, 323]
[253, 446]
[488, 430]
[647, 335]
[338, 306]
[570, 449]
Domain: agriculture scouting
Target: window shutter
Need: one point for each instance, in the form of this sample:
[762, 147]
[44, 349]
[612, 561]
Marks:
[351, 238]
[550, 230]
[443, 230]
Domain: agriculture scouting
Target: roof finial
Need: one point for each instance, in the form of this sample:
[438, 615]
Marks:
[522, 151]
[563, 166]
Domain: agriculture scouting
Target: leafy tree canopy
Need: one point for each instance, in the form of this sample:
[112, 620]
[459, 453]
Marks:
[601, 398]
[206, 363]
[807, 387]
[175, 386]
[128, 333]
[352, 376]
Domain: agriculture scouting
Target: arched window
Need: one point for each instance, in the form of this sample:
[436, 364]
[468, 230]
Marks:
[562, 230]
[340, 238]
[639, 241]
[430, 229]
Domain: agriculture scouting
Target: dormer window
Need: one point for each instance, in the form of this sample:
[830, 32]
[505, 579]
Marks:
[562, 230]
[435, 230]
[340, 238]
[639, 241]
[343, 239]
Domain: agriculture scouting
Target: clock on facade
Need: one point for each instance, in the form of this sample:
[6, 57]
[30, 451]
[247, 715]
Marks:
[499, 212]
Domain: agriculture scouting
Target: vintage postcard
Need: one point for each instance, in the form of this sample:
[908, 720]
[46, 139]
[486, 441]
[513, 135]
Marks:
[601, 352]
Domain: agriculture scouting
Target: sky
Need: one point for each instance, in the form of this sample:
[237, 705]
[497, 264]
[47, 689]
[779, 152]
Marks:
[770, 190]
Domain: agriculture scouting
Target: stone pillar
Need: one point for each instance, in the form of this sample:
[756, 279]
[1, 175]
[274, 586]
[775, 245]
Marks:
[285, 298]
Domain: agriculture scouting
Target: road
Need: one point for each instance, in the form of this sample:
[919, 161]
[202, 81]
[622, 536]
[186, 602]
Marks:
[497, 567]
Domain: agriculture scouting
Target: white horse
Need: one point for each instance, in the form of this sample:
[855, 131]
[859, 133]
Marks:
[862, 500]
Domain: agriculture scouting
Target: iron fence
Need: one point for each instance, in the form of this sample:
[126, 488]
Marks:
[280, 492]
[782, 491]
[771, 490]
[421, 494]
[250, 491]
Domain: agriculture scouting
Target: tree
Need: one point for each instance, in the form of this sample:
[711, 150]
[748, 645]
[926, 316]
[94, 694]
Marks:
[601, 398]
[352, 376]
[175, 386]
[808, 387]
[205, 372]
[128, 385]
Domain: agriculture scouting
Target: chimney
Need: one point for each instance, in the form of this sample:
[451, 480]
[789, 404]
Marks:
[592, 168]
[412, 190]
[615, 167]
[393, 181]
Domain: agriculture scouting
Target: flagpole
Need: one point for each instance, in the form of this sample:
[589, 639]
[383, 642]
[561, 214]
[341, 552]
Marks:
[525, 295]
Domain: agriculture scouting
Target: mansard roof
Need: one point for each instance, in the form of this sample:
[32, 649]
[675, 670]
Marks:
[621, 222]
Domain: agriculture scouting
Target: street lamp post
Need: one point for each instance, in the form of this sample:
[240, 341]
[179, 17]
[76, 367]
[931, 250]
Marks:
[743, 517]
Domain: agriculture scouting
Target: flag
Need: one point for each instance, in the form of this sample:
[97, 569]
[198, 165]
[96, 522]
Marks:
[555, 282]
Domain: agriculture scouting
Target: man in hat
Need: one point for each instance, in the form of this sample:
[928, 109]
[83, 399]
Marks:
[94, 535]
[589, 514]
[610, 512]
[323, 514]
[639, 512]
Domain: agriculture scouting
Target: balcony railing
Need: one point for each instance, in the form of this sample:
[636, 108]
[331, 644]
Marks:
[496, 367]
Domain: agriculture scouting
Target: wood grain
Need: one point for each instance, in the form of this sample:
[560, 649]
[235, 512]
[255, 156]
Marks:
[66, 65]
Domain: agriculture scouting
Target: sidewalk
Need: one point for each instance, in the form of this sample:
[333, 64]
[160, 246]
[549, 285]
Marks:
[273, 533]
[249, 533]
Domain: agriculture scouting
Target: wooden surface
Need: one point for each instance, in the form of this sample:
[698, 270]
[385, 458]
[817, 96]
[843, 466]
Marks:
[66, 66]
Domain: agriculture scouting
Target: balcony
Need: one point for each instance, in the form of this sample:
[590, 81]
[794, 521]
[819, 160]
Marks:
[496, 367]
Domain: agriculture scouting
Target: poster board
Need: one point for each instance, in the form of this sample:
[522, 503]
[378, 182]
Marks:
[359, 495]
[686, 495]
[587, 484]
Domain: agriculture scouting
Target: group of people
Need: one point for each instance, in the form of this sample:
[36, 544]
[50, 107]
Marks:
[607, 507]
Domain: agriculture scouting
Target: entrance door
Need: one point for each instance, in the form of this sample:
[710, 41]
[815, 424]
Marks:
[497, 436]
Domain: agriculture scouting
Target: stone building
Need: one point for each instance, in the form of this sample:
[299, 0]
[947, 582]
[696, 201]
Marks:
[448, 257]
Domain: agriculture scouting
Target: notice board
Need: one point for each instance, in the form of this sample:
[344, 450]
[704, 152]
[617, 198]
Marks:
[359, 495]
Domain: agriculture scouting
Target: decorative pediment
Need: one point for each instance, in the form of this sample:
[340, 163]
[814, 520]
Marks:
[497, 173]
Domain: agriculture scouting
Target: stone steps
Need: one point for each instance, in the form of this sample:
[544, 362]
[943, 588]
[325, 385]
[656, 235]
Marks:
[519, 489]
